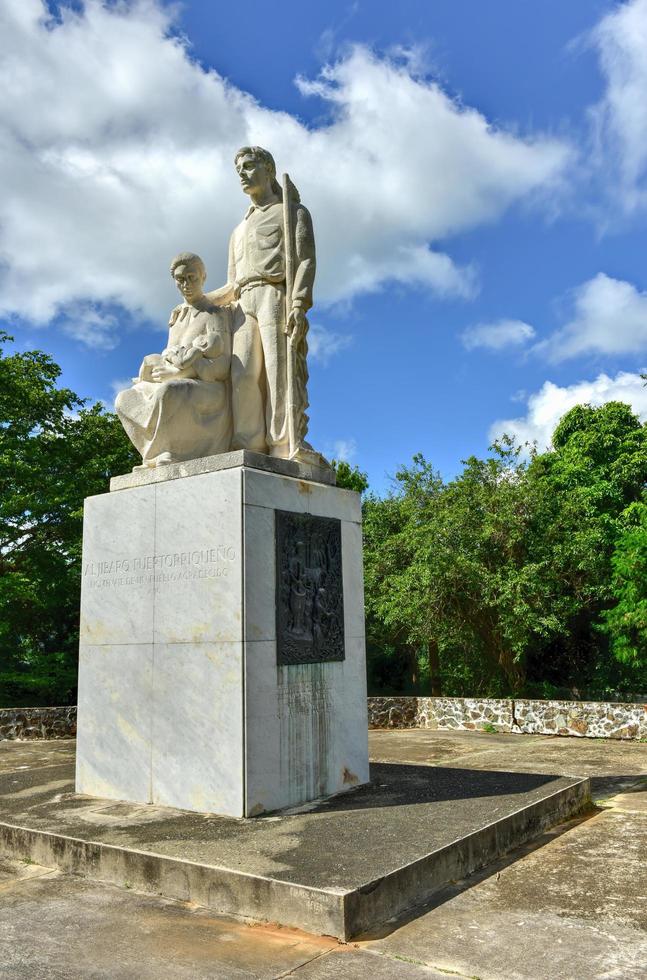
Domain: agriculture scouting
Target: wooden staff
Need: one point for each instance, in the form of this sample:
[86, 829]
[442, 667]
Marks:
[288, 237]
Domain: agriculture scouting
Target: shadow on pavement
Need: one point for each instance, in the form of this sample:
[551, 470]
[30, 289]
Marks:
[395, 784]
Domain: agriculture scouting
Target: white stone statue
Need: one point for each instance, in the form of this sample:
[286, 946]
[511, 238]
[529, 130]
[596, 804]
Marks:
[185, 403]
[179, 407]
[271, 274]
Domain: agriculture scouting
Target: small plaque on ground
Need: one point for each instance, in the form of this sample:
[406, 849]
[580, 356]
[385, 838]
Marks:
[309, 589]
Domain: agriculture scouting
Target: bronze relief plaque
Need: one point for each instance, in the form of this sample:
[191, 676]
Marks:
[309, 589]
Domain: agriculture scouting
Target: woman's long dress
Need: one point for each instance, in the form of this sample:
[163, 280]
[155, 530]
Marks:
[188, 416]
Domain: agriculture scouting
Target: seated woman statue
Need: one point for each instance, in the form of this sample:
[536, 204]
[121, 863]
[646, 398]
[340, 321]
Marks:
[179, 407]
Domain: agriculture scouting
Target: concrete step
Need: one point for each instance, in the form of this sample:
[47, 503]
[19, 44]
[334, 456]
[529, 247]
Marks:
[338, 867]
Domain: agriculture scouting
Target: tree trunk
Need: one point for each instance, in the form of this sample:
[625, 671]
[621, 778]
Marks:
[434, 670]
[514, 671]
[413, 666]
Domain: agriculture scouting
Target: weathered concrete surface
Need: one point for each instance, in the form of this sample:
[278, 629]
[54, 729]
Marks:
[334, 868]
[574, 905]
[79, 929]
[570, 907]
[611, 765]
[573, 908]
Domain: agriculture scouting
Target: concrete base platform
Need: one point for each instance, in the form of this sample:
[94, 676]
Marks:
[336, 868]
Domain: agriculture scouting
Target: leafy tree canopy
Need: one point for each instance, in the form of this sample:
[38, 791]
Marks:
[53, 452]
[349, 477]
[626, 620]
[501, 578]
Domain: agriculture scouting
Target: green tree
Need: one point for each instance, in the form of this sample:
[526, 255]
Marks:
[496, 582]
[597, 468]
[626, 620]
[53, 453]
[349, 477]
[447, 573]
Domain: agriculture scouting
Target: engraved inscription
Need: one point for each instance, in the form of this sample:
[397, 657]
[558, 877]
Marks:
[309, 589]
[303, 699]
[163, 569]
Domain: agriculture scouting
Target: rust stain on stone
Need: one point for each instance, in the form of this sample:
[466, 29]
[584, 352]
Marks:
[349, 777]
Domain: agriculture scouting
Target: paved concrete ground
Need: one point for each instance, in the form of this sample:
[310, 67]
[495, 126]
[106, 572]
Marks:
[571, 907]
[406, 812]
[413, 830]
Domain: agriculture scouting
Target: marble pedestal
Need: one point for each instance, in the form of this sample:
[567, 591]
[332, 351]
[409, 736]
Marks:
[181, 699]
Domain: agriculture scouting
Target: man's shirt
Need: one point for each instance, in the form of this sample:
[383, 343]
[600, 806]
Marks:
[257, 250]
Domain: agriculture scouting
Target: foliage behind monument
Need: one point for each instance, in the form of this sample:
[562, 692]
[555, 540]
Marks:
[515, 576]
[512, 577]
[53, 453]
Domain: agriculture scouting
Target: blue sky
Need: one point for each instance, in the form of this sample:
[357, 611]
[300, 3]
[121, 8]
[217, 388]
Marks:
[477, 176]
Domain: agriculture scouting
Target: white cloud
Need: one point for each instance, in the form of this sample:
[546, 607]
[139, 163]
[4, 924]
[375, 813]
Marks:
[116, 152]
[609, 317]
[343, 450]
[416, 265]
[497, 336]
[620, 118]
[546, 406]
[92, 326]
[324, 344]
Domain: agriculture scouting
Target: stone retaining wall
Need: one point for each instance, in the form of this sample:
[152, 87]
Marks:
[593, 719]
[466, 713]
[26, 723]
[590, 719]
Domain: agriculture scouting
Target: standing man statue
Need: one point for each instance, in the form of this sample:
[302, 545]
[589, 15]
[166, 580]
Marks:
[271, 274]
